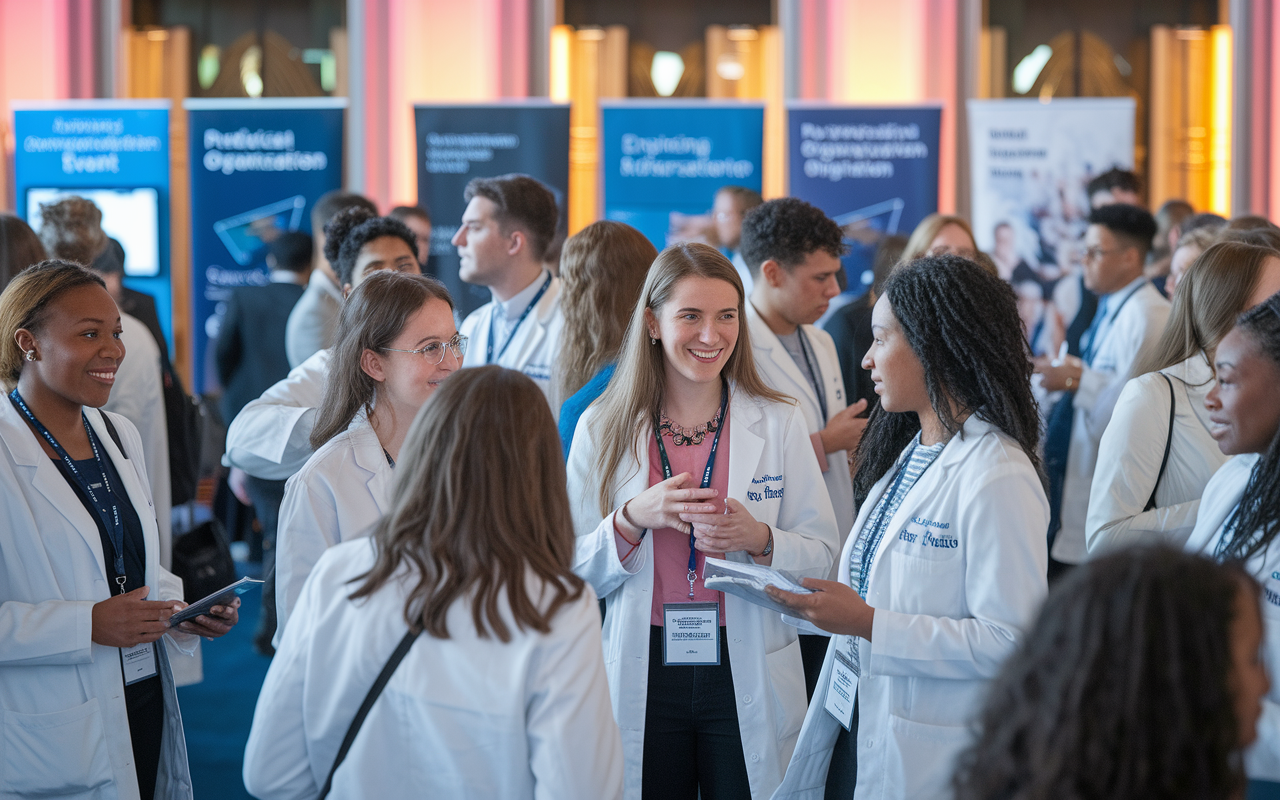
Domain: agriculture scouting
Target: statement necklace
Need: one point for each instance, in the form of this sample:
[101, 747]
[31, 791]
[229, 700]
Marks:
[680, 436]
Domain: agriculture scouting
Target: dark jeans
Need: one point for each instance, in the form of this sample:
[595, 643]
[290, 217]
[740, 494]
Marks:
[842, 771]
[144, 702]
[813, 651]
[267, 497]
[692, 744]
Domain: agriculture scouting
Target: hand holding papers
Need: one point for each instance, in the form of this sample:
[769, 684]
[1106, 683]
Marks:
[748, 581]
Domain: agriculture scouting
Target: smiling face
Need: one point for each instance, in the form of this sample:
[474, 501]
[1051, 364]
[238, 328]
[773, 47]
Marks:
[1244, 409]
[1249, 681]
[483, 250]
[895, 368]
[804, 292]
[78, 347]
[698, 329]
[385, 252]
[406, 380]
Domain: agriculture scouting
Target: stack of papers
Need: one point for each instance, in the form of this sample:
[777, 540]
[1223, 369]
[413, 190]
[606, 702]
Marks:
[748, 581]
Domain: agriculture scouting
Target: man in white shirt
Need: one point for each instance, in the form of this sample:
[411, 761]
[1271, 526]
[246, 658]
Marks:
[313, 323]
[793, 251]
[727, 212]
[1130, 318]
[506, 228]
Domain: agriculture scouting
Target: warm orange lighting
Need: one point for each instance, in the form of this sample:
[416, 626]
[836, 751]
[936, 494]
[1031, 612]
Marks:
[1220, 114]
[561, 49]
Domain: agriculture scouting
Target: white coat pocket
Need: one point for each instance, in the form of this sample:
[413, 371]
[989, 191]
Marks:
[786, 674]
[925, 585]
[931, 750]
[55, 755]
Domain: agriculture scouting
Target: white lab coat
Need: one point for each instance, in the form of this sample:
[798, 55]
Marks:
[271, 437]
[768, 443]
[338, 495]
[467, 716]
[313, 323]
[945, 618]
[780, 371]
[1221, 496]
[1129, 459]
[535, 345]
[64, 730]
[1121, 338]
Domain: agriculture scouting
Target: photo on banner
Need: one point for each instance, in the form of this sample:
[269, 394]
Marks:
[257, 168]
[662, 162]
[1030, 162]
[459, 142]
[116, 154]
[874, 170]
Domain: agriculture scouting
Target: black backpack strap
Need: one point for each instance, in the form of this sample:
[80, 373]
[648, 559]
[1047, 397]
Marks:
[400, 652]
[1168, 442]
[113, 433]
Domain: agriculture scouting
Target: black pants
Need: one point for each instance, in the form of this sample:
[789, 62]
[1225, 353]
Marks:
[842, 771]
[692, 744]
[813, 651]
[144, 702]
[267, 497]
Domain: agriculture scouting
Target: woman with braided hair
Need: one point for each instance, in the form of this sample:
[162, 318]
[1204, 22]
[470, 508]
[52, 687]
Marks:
[946, 562]
[1240, 512]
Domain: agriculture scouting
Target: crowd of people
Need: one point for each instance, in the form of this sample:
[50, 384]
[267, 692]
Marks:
[1007, 556]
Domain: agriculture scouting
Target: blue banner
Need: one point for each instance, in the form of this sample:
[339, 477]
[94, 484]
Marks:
[872, 170]
[459, 142]
[663, 161]
[115, 153]
[257, 167]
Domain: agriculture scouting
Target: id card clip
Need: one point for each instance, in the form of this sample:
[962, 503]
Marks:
[842, 689]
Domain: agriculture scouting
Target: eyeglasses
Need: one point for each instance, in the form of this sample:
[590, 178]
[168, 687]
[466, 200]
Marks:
[1095, 253]
[434, 352]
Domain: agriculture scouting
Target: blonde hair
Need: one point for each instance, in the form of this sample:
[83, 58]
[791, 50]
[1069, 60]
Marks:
[634, 396]
[1211, 294]
[25, 303]
[71, 230]
[928, 230]
[479, 507]
[602, 267]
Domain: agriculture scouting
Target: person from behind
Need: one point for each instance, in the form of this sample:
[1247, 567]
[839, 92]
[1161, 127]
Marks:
[603, 268]
[502, 692]
[1169, 221]
[312, 323]
[1239, 516]
[1097, 703]
[1150, 476]
[86, 688]
[1268, 237]
[1114, 186]
[850, 325]
[506, 229]
[689, 455]
[1189, 248]
[20, 248]
[727, 212]
[417, 220]
[939, 234]
[946, 562]
[1130, 318]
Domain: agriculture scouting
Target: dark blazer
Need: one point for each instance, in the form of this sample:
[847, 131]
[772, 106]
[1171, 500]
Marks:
[250, 353]
[850, 326]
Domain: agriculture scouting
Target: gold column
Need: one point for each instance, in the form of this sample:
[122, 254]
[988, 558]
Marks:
[747, 64]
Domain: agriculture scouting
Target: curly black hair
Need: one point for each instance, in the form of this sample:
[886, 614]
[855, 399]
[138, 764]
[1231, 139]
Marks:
[1256, 520]
[962, 323]
[1121, 689]
[351, 229]
[787, 230]
[1114, 178]
[1133, 224]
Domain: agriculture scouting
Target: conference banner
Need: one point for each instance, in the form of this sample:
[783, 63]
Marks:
[874, 170]
[257, 169]
[115, 153]
[663, 161]
[459, 142]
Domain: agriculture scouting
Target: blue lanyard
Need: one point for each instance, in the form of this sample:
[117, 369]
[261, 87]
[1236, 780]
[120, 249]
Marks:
[878, 529]
[113, 523]
[814, 374]
[706, 474]
[497, 308]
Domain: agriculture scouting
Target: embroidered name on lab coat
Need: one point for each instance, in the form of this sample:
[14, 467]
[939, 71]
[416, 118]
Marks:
[766, 491]
[933, 535]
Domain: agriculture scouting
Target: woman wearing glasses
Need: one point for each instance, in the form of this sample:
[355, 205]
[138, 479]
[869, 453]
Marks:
[397, 343]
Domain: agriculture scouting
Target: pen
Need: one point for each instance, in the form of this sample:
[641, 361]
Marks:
[1062, 355]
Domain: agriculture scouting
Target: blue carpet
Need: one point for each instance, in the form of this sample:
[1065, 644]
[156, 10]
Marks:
[217, 713]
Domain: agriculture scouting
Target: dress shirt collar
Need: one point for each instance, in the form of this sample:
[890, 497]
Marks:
[515, 306]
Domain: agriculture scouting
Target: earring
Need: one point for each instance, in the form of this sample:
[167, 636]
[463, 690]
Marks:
[31, 355]
[652, 340]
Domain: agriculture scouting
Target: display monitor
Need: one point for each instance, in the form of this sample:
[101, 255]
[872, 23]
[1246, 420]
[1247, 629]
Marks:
[130, 216]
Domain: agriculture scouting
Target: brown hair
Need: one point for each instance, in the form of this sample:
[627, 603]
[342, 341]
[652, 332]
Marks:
[479, 508]
[1212, 293]
[634, 396]
[25, 303]
[19, 248]
[523, 203]
[602, 267]
[928, 230]
[71, 230]
[371, 319]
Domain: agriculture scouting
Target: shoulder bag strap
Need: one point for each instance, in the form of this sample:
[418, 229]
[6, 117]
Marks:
[115, 436]
[401, 650]
[1168, 442]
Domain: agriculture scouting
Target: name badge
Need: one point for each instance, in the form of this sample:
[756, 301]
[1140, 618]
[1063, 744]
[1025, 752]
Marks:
[691, 634]
[842, 689]
[138, 663]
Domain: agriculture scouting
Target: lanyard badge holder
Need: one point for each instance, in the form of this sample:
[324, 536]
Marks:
[691, 631]
[488, 350]
[137, 663]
